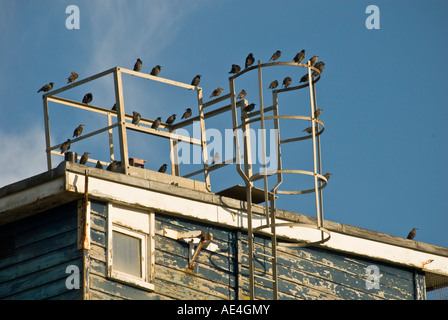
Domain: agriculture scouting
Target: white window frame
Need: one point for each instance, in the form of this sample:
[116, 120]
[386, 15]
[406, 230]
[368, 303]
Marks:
[134, 228]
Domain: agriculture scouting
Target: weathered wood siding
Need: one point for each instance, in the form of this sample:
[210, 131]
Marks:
[40, 248]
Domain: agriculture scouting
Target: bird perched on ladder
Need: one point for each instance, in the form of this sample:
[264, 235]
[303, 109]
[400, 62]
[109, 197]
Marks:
[249, 108]
[235, 69]
[138, 65]
[249, 60]
[136, 117]
[242, 94]
[216, 92]
[412, 234]
[313, 60]
[84, 158]
[196, 80]
[46, 87]
[162, 169]
[65, 146]
[286, 82]
[87, 98]
[187, 114]
[273, 85]
[171, 119]
[156, 123]
[299, 56]
[78, 130]
[72, 77]
[276, 56]
[156, 70]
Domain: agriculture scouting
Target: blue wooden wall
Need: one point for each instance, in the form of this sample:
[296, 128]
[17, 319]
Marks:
[43, 246]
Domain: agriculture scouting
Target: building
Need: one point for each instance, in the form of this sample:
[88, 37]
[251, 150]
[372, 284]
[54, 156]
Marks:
[80, 232]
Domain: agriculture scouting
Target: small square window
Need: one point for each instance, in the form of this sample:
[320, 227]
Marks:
[131, 246]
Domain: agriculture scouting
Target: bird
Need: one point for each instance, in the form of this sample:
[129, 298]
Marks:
[412, 234]
[138, 65]
[156, 70]
[304, 78]
[313, 60]
[78, 130]
[286, 82]
[114, 166]
[84, 158]
[99, 165]
[162, 169]
[250, 60]
[327, 176]
[114, 108]
[171, 119]
[216, 92]
[46, 87]
[65, 146]
[249, 108]
[318, 113]
[156, 123]
[136, 117]
[215, 158]
[309, 130]
[242, 94]
[235, 69]
[196, 80]
[276, 55]
[299, 56]
[320, 65]
[187, 114]
[87, 98]
[273, 84]
[72, 77]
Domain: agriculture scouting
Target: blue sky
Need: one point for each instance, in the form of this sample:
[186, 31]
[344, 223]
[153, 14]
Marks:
[382, 91]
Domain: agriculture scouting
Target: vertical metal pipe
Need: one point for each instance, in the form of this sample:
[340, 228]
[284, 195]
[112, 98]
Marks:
[121, 120]
[203, 140]
[111, 138]
[47, 133]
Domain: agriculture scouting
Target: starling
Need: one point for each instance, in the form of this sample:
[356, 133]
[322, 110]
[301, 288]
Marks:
[320, 65]
[412, 234]
[299, 57]
[187, 114]
[72, 77]
[136, 117]
[84, 158]
[216, 92]
[138, 65]
[156, 123]
[235, 68]
[215, 158]
[309, 130]
[87, 98]
[304, 78]
[114, 108]
[313, 60]
[78, 130]
[276, 56]
[99, 165]
[171, 119]
[318, 113]
[114, 166]
[46, 87]
[250, 60]
[196, 80]
[242, 94]
[273, 84]
[156, 70]
[65, 146]
[249, 108]
[286, 82]
[162, 169]
[327, 176]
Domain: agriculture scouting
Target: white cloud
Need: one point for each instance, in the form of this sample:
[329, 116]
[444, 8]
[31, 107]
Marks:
[22, 156]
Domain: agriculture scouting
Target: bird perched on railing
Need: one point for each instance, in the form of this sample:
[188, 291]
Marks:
[156, 123]
[412, 234]
[84, 158]
[136, 117]
[65, 146]
[273, 85]
[276, 56]
[78, 130]
[156, 70]
[249, 108]
[171, 119]
[138, 65]
[249, 60]
[242, 94]
[187, 114]
[304, 78]
[46, 87]
[87, 98]
[196, 80]
[318, 113]
[299, 57]
[235, 68]
[286, 82]
[216, 92]
[313, 60]
[72, 77]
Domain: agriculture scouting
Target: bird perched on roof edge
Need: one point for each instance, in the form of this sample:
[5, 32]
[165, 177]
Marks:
[84, 158]
[412, 234]
[162, 169]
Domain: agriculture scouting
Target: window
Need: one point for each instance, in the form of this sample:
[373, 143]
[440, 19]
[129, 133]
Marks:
[131, 246]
